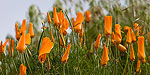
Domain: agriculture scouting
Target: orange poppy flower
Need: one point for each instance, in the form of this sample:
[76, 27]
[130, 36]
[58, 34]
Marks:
[73, 22]
[97, 41]
[11, 47]
[141, 50]
[23, 69]
[122, 48]
[108, 25]
[148, 36]
[126, 28]
[60, 17]
[65, 56]
[31, 30]
[3, 46]
[129, 38]
[138, 66]
[55, 16]
[46, 47]
[17, 31]
[51, 36]
[132, 57]
[133, 36]
[21, 44]
[49, 18]
[23, 27]
[87, 16]
[105, 57]
[78, 22]
[27, 39]
[118, 36]
[65, 25]
[136, 28]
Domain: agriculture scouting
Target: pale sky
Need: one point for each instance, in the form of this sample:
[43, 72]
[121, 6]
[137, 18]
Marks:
[16, 10]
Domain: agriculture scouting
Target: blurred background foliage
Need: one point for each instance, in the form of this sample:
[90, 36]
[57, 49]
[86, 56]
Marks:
[123, 12]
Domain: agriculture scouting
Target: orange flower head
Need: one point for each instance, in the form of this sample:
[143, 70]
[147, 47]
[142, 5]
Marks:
[27, 39]
[65, 56]
[133, 36]
[138, 66]
[108, 25]
[129, 38]
[60, 17]
[65, 24]
[31, 30]
[118, 36]
[23, 69]
[3, 46]
[78, 28]
[148, 36]
[81, 32]
[97, 41]
[73, 21]
[132, 57]
[46, 47]
[55, 16]
[136, 28]
[105, 57]
[49, 18]
[141, 50]
[17, 31]
[87, 16]
[21, 44]
[122, 48]
[11, 47]
[126, 28]
[23, 27]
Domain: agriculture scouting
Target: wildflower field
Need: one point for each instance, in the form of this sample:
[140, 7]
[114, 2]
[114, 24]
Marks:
[109, 38]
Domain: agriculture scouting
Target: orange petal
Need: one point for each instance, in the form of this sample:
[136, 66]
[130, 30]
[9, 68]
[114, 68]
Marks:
[81, 32]
[132, 57]
[129, 38]
[49, 18]
[126, 28]
[118, 36]
[21, 44]
[65, 56]
[138, 66]
[46, 47]
[105, 57]
[80, 18]
[27, 39]
[31, 30]
[122, 48]
[23, 69]
[97, 41]
[141, 50]
[55, 16]
[108, 25]
[23, 27]
[78, 28]
[17, 31]
[87, 16]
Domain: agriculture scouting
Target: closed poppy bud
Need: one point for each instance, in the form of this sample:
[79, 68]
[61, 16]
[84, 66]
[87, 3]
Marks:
[108, 25]
[23, 69]
[148, 36]
[105, 57]
[118, 36]
[21, 44]
[17, 31]
[136, 28]
[27, 39]
[97, 41]
[46, 47]
[122, 48]
[81, 32]
[31, 30]
[23, 27]
[3, 46]
[126, 28]
[133, 36]
[11, 47]
[49, 18]
[129, 38]
[55, 16]
[113, 38]
[87, 16]
[65, 56]
[141, 51]
[138, 66]
[51, 36]
[132, 57]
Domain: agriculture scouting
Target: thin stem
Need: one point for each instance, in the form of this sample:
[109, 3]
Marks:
[64, 69]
